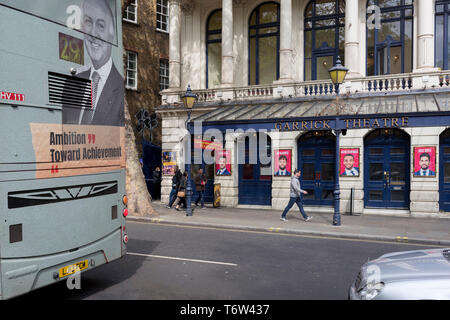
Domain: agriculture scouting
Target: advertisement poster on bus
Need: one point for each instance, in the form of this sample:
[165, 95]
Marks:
[349, 162]
[74, 150]
[223, 163]
[169, 161]
[425, 161]
[283, 162]
[91, 138]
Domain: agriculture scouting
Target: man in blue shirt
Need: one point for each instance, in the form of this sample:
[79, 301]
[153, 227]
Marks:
[349, 162]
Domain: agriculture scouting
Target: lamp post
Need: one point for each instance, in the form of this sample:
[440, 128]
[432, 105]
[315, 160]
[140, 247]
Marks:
[337, 75]
[189, 99]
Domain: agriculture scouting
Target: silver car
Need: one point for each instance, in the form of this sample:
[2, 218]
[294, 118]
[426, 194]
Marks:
[408, 275]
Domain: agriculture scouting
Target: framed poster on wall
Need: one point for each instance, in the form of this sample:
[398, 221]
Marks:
[283, 162]
[169, 161]
[349, 162]
[425, 161]
[223, 162]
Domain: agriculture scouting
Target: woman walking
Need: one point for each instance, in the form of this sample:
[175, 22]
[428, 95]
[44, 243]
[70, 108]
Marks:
[181, 191]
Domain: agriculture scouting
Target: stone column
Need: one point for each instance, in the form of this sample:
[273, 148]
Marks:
[352, 38]
[425, 36]
[227, 43]
[285, 41]
[174, 45]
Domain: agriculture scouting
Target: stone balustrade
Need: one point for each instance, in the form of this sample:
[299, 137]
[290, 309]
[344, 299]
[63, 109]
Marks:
[321, 88]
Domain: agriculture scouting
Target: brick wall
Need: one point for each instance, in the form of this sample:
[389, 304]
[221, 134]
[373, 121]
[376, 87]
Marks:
[151, 46]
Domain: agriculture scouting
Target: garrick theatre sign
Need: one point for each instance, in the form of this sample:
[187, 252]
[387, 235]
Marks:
[414, 109]
[348, 122]
[352, 123]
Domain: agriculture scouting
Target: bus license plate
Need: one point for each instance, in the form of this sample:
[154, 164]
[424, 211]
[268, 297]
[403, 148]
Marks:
[68, 270]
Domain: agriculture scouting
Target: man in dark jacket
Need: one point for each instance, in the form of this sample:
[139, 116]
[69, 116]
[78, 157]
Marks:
[156, 183]
[176, 179]
[200, 183]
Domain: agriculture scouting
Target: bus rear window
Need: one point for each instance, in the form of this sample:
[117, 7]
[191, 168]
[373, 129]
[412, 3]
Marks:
[70, 13]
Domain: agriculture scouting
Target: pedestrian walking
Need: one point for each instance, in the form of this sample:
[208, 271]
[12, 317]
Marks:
[176, 179]
[296, 196]
[181, 194]
[200, 183]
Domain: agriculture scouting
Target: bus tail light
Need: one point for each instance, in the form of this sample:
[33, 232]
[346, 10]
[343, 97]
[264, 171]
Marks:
[125, 200]
[125, 238]
[125, 212]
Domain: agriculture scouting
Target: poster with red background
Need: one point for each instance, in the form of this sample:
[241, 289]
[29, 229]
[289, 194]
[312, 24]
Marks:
[353, 159]
[286, 159]
[223, 162]
[429, 161]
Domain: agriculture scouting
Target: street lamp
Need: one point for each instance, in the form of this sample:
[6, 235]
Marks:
[189, 99]
[337, 75]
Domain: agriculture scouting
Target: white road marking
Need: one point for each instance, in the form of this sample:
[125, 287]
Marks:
[181, 259]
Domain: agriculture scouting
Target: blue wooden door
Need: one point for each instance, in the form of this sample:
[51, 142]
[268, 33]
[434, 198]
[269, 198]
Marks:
[387, 169]
[255, 179]
[444, 171]
[316, 160]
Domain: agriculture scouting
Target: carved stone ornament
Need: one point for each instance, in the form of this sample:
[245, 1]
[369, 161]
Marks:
[239, 3]
[188, 7]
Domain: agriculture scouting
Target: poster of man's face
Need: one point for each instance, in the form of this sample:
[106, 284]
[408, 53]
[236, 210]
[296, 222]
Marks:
[98, 25]
[349, 162]
[283, 162]
[105, 106]
[223, 163]
[424, 161]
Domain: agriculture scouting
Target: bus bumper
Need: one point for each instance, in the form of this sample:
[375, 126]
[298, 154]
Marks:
[22, 275]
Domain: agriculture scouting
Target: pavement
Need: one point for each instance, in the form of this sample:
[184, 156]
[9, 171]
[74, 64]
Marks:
[376, 227]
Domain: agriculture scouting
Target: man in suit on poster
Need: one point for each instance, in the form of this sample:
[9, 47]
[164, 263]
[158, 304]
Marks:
[97, 23]
[223, 171]
[282, 167]
[424, 162]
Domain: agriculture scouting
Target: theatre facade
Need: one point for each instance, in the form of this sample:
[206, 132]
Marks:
[266, 105]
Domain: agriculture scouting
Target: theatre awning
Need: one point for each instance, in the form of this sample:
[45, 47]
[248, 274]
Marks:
[427, 108]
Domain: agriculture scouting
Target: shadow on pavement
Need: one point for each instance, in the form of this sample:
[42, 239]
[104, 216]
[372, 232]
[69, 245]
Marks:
[98, 279]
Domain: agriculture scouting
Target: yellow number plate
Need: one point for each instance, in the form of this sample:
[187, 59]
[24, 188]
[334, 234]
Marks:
[68, 270]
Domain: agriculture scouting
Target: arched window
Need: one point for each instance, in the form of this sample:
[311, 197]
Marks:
[442, 40]
[390, 45]
[214, 49]
[264, 44]
[324, 37]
